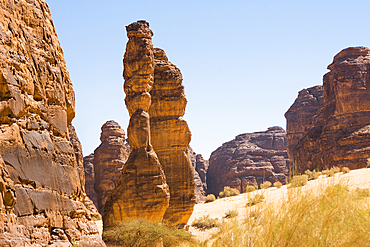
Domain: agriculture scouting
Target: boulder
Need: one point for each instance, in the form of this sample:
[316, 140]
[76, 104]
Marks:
[249, 159]
[340, 133]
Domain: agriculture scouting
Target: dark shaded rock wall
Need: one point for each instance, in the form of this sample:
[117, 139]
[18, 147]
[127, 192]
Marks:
[249, 159]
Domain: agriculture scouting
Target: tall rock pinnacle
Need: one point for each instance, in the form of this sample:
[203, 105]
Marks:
[141, 191]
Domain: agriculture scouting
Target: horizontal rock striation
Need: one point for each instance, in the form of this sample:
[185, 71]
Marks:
[141, 191]
[340, 134]
[36, 107]
[249, 159]
[108, 161]
[302, 114]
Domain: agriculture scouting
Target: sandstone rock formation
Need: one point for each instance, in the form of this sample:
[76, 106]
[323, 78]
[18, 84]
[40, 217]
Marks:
[109, 159]
[90, 178]
[200, 166]
[249, 159]
[36, 107]
[170, 137]
[301, 114]
[340, 134]
[141, 191]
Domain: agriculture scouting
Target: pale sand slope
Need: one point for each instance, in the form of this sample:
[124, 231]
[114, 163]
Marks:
[217, 209]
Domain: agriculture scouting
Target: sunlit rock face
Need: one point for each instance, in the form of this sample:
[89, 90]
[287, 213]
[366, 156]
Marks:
[36, 106]
[301, 114]
[249, 159]
[141, 191]
[108, 160]
[170, 137]
[340, 133]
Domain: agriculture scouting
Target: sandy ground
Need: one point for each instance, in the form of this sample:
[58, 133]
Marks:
[217, 209]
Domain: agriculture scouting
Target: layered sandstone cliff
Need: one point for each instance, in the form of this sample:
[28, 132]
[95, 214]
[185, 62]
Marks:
[108, 161]
[36, 107]
[340, 134]
[200, 166]
[302, 114]
[249, 159]
[90, 178]
[170, 137]
[141, 191]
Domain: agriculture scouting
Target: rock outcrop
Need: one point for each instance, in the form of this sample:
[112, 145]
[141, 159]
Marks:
[90, 178]
[301, 114]
[249, 159]
[200, 166]
[170, 137]
[141, 191]
[340, 134]
[36, 107]
[109, 159]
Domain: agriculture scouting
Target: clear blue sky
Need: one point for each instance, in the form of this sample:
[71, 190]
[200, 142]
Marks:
[243, 62]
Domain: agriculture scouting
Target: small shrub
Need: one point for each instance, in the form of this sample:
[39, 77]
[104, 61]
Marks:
[362, 192]
[368, 163]
[257, 198]
[298, 181]
[231, 213]
[250, 188]
[210, 198]
[265, 185]
[325, 172]
[205, 222]
[312, 175]
[335, 169]
[345, 170]
[140, 232]
[228, 192]
[278, 184]
[331, 173]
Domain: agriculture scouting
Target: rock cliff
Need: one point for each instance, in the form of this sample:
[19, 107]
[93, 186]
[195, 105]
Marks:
[108, 161]
[36, 107]
[301, 115]
[340, 134]
[170, 137]
[200, 166]
[249, 159]
[90, 178]
[141, 191]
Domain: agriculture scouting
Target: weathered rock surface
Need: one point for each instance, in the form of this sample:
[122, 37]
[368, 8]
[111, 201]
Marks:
[340, 134]
[109, 159]
[249, 159]
[301, 114]
[200, 166]
[141, 191]
[36, 107]
[90, 178]
[170, 137]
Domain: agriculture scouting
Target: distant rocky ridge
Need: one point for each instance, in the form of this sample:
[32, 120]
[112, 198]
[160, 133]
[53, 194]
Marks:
[200, 169]
[249, 159]
[90, 178]
[340, 133]
[42, 177]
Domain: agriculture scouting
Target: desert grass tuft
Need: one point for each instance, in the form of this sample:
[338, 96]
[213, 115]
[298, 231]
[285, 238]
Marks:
[332, 215]
[227, 192]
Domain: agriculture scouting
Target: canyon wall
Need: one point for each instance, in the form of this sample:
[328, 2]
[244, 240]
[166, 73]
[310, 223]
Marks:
[249, 159]
[200, 167]
[141, 191]
[340, 133]
[90, 178]
[108, 161]
[36, 107]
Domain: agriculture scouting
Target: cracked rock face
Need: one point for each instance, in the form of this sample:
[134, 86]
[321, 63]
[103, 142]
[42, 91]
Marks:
[141, 191]
[36, 107]
[340, 133]
[108, 160]
[249, 159]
